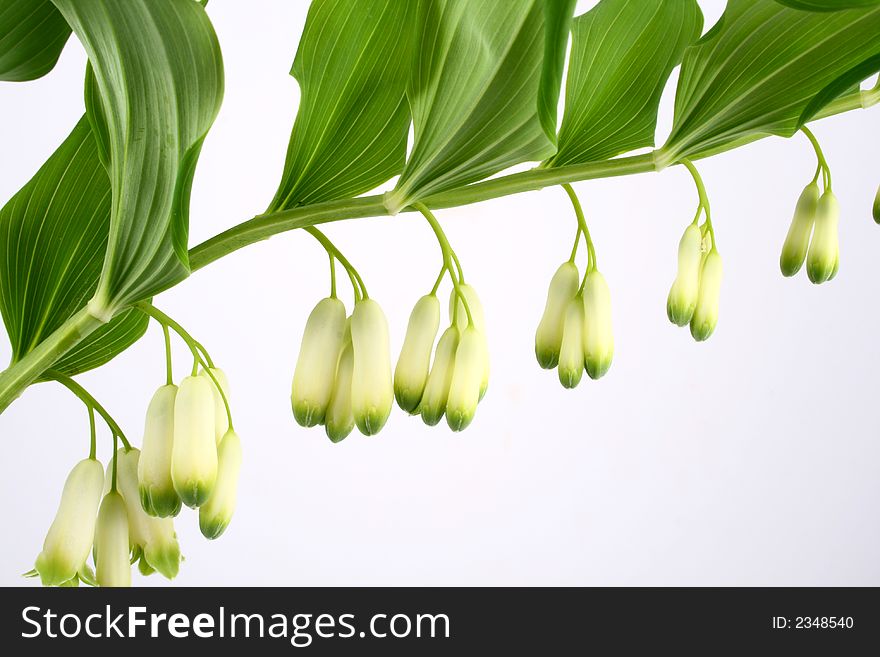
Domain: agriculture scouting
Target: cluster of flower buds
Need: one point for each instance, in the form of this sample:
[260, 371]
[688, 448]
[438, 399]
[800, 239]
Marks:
[343, 374]
[694, 296]
[456, 381]
[190, 453]
[116, 529]
[575, 331]
[812, 236]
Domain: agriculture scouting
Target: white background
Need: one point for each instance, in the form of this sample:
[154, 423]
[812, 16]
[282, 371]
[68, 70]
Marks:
[749, 459]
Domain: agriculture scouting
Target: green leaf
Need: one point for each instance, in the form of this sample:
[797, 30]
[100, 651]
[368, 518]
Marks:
[53, 235]
[767, 69]
[622, 53]
[158, 83]
[32, 36]
[827, 5]
[481, 91]
[351, 128]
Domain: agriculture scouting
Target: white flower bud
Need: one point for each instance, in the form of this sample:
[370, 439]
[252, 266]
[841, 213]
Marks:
[794, 250]
[824, 254]
[598, 335]
[571, 355]
[154, 536]
[157, 493]
[112, 563]
[477, 314]
[194, 456]
[548, 337]
[467, 376]
[215, 514]
[411, 372]
[69, 539]
[433, 404]
[682, 297]
[316, 365]
[706, 313]
[221, 418]
[372, 388]
[339, 420]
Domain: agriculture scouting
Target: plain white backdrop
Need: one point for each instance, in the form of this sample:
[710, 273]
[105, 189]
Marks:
[751, 459]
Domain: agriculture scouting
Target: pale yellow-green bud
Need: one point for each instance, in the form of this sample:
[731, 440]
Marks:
[194, 456]
[682, 297]
[372, 388]
[548, 337]
[467, 376]
[571, 355]
[221, 418]
[706, 314]
[112, 564]
[316, 365]
[877, 206]
[215, 514]
[824, 254]
[479, 318]
[411, 372]
[794, 250]
[598, 334]
[69, 539]
[339, 420]
[433, 404]
[155, 537]
[157, 493]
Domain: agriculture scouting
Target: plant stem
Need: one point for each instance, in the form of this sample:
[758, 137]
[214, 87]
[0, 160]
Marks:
[31, 367]
[90, 402]
[582, 224]
[333, 251]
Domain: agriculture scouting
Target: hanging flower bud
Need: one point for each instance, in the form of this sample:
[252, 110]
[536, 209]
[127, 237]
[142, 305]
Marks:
[194, 456]
[476, 308]
[706, 313]
[467, 376]
[372, 389]
[69, 539]
[548, 337]
[112, 564]
[877, 206]
[215, 514]
[339, 420]
[221, 417]
[824, 250]
[316, 365]
[794, 250]
[682, 297]
[433, 404]
[157, 493]
[571, 355]
[598, 335]
[153, 537]
[411, 372]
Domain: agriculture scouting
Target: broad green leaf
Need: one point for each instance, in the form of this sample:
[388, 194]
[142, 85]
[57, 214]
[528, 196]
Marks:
[767, 69]
[351, 128]
[53, 235]
[622, 53]
[158, 83]
[827, 5]
[32, 36]
[481, 91]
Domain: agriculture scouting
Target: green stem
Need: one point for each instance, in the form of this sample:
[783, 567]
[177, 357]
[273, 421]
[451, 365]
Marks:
[115, 459]
[823, 163]
[449, 259]
[169, 371]
[93, 434]
[90, 402]
[332, 250]
[704, 197]
[592, 262]
[194, 345]
[332, 276]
